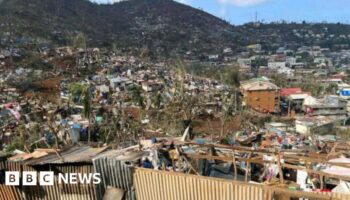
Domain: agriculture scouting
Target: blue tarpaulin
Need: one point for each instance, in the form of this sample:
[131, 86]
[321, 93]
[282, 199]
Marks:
[345, 92]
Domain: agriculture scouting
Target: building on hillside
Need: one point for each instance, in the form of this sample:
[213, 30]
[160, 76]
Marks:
[263, 71]
[314, 125]
[150, 86]
[292, 100]
[287, 71]
[291, 60]
[244, 62]
[255, 47]
[332, 106]
[120, 83]
[276, 65]
[341, 76]
[345, 94]
[262, 96]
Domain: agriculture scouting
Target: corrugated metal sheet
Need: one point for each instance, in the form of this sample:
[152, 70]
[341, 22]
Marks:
[74, 154]
[341, 196]
[114, 173]
[10, 192]
[55, 192]
[159, 185]
[63, 191]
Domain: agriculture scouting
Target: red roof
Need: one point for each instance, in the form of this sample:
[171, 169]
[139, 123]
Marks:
[288, 91]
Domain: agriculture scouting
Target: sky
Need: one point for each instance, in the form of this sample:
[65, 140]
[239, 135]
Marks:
[242, 11]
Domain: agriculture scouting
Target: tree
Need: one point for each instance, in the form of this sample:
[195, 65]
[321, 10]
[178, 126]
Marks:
[137, 96]
[182, 106]
[332, 88]
[232, 78]
[228, 108]
[80, 41]
[158, 100]
[87, 109]
[280, 79]
[76, 92]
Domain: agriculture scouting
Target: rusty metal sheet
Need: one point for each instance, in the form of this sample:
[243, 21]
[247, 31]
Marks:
[57, 191]
[63, 191]
[74, 154]
[114, 173]
[10, 192]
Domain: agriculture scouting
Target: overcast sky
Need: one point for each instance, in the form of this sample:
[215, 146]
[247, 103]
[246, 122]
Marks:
[242, 11]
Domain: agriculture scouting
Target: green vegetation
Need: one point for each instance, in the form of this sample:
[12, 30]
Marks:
[76, 92]
[227, 74]
[137, 96]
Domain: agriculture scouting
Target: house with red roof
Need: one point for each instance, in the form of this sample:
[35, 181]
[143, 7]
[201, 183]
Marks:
[292, 100]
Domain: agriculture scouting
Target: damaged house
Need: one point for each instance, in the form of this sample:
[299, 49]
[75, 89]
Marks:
[262, 96]
[332, 106]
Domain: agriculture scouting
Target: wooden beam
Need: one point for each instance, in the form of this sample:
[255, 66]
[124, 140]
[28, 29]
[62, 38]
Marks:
[234, 165]
[315, 172]
[299, 194]
[278, 157]
[315, 160]
[260, 161]
[247, 170]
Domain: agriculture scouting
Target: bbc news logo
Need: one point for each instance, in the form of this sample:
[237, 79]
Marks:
[13, 178]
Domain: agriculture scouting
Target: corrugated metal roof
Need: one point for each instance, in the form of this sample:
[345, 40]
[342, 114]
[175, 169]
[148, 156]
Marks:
[74, 154]
[288, 91]
[298, 96]
[10, 192]
[259, 85]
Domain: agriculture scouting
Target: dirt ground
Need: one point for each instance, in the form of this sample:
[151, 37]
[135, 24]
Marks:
[213, 126]
[49, 89]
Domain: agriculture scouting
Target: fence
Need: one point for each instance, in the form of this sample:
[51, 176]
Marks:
[114, 173]
[55, 192]
[159, 185]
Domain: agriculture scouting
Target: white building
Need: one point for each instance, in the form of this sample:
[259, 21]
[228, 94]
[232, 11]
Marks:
[276, 65]
[244, 62]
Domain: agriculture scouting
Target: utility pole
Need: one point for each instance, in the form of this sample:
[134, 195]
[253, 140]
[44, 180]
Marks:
[256, 17]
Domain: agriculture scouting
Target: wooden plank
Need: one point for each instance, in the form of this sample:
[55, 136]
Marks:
[234, 165]
[315, 172]
[278, 157]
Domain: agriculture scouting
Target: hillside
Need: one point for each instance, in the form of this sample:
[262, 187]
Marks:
[294, 35]
[163, 26]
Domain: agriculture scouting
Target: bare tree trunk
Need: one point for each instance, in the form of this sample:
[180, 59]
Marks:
[222, 127]
[89, 130]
